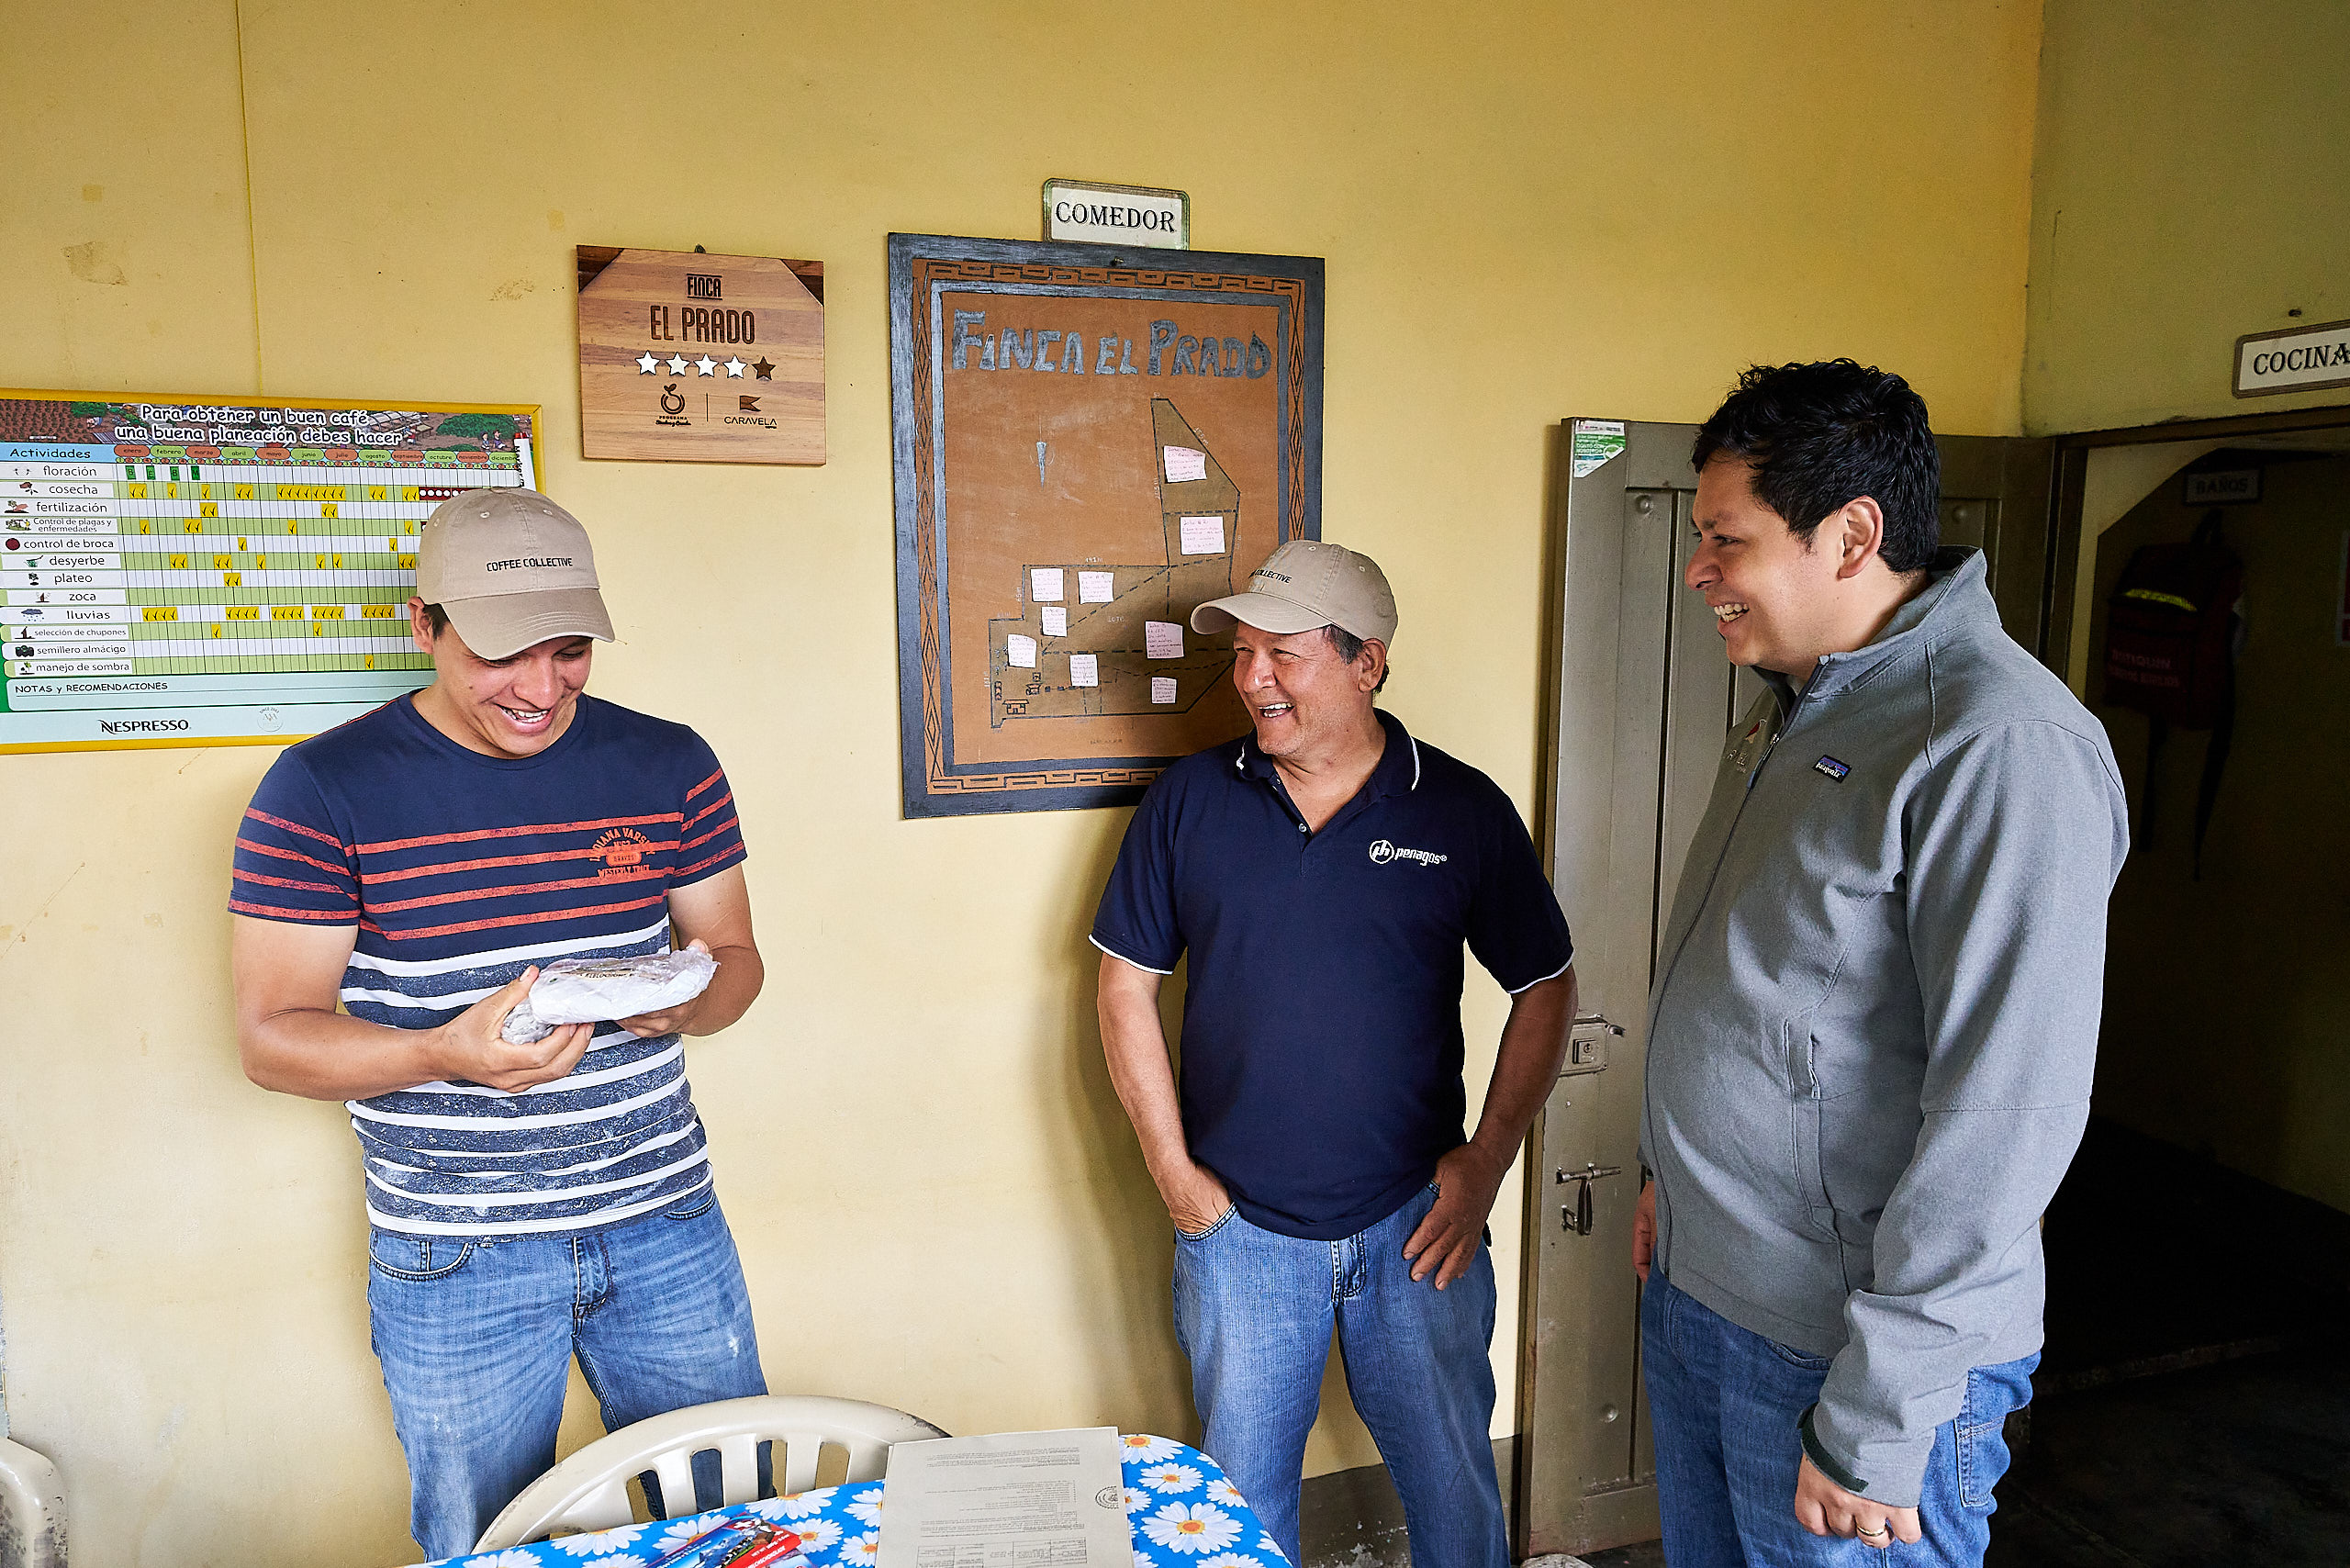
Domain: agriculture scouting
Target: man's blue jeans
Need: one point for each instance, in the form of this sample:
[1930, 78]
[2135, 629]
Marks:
[476, 1340]
[1255, 1310]
[1726, 1401]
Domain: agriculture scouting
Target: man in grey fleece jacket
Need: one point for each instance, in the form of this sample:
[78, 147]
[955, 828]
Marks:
[1875, 1014]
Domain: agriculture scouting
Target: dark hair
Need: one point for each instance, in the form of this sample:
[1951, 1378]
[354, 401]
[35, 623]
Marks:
[1821, 435]
[1348, 647]
[436, 618]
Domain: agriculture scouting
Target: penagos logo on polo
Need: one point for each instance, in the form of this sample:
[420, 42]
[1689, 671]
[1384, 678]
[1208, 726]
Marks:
[1382, 852]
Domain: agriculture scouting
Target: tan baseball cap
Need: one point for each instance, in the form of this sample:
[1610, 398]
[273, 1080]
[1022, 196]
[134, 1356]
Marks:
[512, 568]
[1307, 584]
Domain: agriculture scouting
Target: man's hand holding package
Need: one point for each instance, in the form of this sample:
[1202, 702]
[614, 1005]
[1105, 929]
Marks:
[469, 1047]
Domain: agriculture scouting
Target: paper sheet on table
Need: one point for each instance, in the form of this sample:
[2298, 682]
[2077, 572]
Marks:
[1056, 620]
[1051, 1499]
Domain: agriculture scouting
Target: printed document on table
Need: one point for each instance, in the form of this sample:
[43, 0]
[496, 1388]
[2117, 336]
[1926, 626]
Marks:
[1013, 1500]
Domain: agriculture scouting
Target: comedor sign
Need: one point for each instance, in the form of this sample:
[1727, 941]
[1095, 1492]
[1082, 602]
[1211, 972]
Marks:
[1117, 215]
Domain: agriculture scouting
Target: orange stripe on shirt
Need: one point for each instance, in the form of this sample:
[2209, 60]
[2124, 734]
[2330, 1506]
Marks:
[705, 784]
[480, 834]
[261, 816]
[683, 872]
[447, 868]
[705, 838]
[288, 883]
[275, 911]
[512, 889]
[720, 804]
[258, 848]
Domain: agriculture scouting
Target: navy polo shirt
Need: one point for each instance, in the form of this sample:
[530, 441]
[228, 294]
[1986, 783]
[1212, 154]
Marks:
[1321, 1048]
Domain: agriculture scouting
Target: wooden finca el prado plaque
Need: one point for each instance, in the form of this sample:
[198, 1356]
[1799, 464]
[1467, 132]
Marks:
[686, 357]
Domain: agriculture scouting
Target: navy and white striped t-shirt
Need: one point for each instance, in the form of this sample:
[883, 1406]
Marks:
[459, 870]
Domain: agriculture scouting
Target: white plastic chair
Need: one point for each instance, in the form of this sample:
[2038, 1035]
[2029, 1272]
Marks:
[32, 1509]
[590, 1490]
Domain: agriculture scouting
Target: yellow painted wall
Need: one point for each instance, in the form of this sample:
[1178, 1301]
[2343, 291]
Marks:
[2223, 1027]
[2188, 189]
[1529, 212]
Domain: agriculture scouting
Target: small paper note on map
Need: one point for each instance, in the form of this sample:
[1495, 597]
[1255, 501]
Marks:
[1162, 689]
[1095, 587]
[1055, 1499]
[1056, 621]
[1084, 670]
[1185, 463]
[1019, 652]
[1204, 536]
[1044, 583]
[1162, 639]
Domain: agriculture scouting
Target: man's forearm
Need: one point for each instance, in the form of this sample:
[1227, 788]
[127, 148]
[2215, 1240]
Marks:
[320, 1055]
[1533, 1046]
[1134, 1045]
[732, 988]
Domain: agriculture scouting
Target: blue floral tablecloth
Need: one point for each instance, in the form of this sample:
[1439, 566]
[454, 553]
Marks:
[1184, 1513]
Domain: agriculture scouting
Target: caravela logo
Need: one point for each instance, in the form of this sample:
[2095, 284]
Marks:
[1382, 852]
[621, 851]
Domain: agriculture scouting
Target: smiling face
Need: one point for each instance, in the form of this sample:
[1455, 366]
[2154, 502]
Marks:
[1778, 596]
[509, 708]
[1307, 702]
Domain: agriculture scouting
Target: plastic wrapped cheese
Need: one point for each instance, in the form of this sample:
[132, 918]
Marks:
[596, 990]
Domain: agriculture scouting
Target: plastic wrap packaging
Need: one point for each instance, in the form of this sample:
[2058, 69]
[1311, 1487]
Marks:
[596, 990]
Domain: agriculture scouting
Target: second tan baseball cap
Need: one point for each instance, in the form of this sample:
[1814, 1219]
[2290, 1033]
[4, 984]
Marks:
[511, 569]
[1307, 584]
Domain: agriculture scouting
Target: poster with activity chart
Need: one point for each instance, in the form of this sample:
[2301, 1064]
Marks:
[219, 571]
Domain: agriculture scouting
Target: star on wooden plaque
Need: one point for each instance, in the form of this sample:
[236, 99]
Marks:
[696, 316]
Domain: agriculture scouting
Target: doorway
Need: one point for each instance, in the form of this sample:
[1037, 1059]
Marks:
[1641, 703]
[2193, 1401]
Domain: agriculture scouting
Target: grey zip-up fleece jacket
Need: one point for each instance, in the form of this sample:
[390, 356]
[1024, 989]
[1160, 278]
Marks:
[1875, 1017]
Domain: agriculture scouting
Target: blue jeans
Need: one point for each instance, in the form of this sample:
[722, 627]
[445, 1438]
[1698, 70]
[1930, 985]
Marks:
[1726, 1401]
[477, 1337]
[1254, 1311]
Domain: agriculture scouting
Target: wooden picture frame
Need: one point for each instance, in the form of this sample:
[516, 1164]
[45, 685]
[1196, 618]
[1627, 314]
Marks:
[1089, 441]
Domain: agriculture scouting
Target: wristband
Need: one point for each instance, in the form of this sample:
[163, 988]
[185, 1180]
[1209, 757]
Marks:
[1822, 1458]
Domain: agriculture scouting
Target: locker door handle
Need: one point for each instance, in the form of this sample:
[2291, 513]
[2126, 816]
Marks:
[1575, 1219]
[1587, 1044]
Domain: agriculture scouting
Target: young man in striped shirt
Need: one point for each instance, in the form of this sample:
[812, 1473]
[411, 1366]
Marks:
[526, 1202]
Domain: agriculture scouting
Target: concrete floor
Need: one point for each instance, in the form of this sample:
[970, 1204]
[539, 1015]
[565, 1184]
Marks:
[2246, 1462]
[2193, 1405]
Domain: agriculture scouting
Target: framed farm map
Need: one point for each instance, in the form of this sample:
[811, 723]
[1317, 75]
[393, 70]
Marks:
[1089, 443]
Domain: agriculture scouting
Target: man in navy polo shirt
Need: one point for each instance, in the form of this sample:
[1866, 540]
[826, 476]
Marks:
[1323, 874]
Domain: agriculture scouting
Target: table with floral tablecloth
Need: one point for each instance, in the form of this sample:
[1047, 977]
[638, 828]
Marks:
[1184, 1513]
